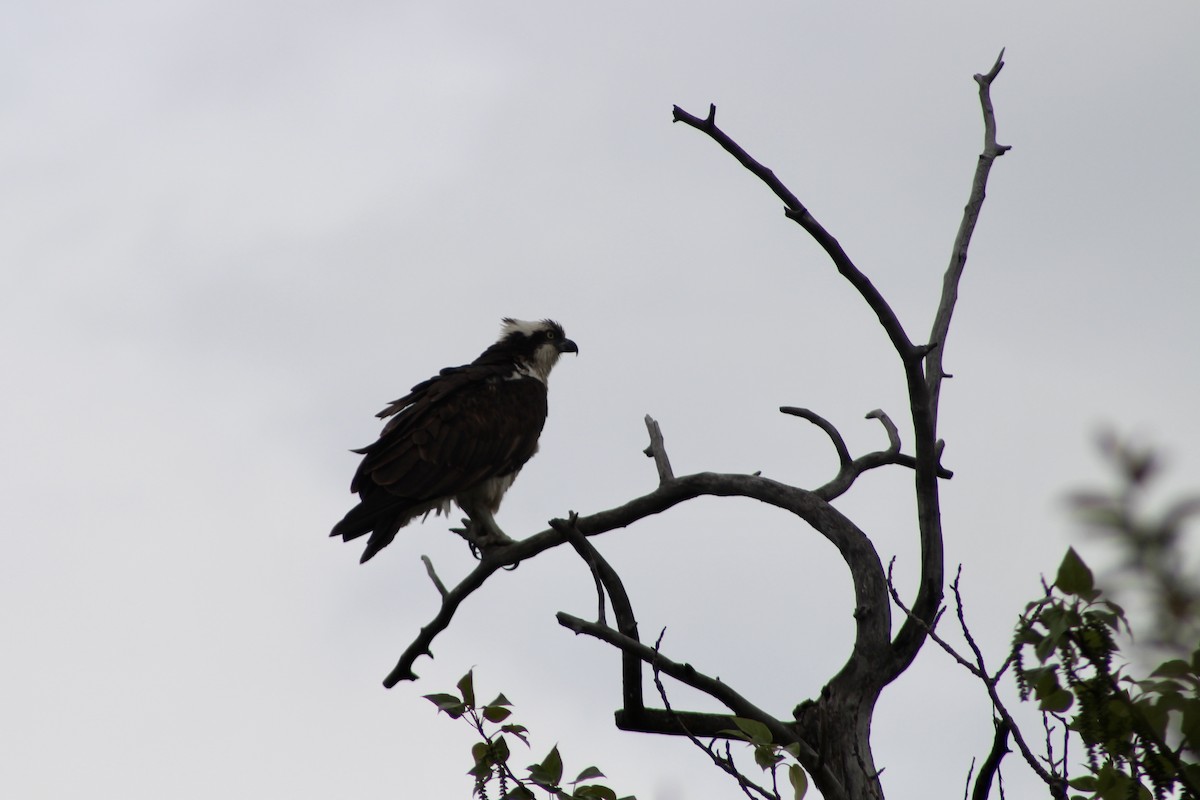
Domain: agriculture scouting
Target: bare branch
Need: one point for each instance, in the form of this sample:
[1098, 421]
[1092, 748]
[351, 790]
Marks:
[991, 764]
[724, 763]
[958, 258]
[658, 451]
[892, 431]
[979, 670]
[713, 687]
[849, 469]
[608, 580]
[437, 582]
[839, 444]
[796, 211]
[871, 619]
[924, 390]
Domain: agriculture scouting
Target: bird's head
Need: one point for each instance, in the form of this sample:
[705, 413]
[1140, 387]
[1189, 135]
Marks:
[536, 346]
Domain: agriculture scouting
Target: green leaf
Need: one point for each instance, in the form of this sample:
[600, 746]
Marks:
[1084, 783]
[448, 703]
[594, 791]
[519, 793]
[518, 731]
[548, 773]
[482, 753]
[1175, 668]
[1057, 701]
[500, 751]
[1074, 577]
[553, 765]
[757, 731]
[496, 713]
[588, 774]
[799, 781]
[466, 688]
[766, 756]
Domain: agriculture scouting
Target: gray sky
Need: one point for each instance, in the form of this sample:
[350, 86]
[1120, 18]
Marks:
[233, 231]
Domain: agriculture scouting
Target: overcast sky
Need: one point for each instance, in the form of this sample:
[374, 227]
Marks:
[233, 231]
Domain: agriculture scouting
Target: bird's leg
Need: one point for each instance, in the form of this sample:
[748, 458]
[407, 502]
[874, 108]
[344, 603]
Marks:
[481, 531]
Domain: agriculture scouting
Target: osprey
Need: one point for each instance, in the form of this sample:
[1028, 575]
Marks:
[462, 435]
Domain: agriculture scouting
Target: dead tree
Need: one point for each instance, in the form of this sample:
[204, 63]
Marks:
[830, 733]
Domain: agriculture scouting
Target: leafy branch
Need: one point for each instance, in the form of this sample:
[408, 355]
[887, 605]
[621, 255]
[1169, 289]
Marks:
[491, 754]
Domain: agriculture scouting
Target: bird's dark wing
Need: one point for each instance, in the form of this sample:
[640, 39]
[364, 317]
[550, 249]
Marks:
[451, 433]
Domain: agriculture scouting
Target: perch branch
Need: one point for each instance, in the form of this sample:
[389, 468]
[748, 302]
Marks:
[872, 622]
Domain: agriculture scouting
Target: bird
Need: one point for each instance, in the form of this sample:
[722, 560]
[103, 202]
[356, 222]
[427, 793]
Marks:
[461, 436]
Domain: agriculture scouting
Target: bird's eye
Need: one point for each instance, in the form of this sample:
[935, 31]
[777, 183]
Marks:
[550, 334]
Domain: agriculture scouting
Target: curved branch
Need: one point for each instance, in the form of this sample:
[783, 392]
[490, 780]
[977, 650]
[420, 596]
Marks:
[839, 444]
[872, 620]
[610, 582]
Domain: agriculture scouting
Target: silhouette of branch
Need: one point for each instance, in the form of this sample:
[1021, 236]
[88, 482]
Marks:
[958, 257]
[724, 763]
[713, 687]
[978, 668]
[871, 618]
[658, 451]
[991, 764]
[850, 468]
[433, 576]
[924, 391]
[797, 212]
[607, 580]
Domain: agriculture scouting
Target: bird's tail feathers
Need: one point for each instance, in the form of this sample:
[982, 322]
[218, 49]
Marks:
[382, 518]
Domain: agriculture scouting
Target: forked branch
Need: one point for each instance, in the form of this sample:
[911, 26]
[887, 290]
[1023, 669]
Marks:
[850, 468]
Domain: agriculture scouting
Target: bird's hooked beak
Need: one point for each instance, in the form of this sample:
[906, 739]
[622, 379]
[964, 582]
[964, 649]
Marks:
[567, 346]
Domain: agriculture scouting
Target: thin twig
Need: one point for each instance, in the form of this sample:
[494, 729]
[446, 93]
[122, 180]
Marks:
[433, 576]
[979, 670]
[725, 764]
